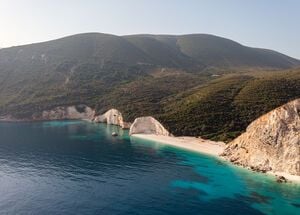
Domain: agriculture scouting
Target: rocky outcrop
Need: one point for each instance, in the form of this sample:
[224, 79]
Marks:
[71, 112]
[112, 117]
[147, 125]
[80, 112]
[8, 118]
[270, 143]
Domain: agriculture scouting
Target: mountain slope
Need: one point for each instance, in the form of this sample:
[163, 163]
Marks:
[161, 53]
[222, 108]
[81, 47]
[216, 51]
[166, 76]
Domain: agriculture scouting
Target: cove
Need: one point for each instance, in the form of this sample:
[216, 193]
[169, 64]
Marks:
[77, 167]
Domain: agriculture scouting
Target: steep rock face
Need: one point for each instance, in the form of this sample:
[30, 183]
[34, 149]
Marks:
[8, 118]
[112, 117]
[71, 112]
[147, 125]
[270, 143]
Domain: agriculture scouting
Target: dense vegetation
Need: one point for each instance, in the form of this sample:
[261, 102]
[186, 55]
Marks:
[194, 84]
[223, 108]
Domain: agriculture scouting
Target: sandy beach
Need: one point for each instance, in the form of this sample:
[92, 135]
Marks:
[201, 146]
[189, 143]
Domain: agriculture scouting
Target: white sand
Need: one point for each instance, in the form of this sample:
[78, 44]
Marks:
[189, 143]
[202, 146]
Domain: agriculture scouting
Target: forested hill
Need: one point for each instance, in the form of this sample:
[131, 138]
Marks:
[179, 79]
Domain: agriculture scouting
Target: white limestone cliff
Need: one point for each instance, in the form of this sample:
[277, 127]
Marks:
[82, 112]
[270, 143]
[148, 125]
[112, 117]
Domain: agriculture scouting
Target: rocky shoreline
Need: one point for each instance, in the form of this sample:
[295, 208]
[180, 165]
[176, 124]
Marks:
[271, 144]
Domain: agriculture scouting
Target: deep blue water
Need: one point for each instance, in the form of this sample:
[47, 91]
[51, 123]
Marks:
[75, 167]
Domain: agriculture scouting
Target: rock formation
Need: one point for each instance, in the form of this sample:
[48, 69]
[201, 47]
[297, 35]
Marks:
[147, 125]
[71, 112]
[80, 112]
[112, 117]
[270, 143]
[8, 118]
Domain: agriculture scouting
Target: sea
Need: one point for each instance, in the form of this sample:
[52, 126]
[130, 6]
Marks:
[78, 167]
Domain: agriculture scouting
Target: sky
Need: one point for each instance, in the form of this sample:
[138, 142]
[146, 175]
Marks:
[273, 24]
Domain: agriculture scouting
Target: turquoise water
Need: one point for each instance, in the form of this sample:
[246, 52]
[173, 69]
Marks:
[75, 167]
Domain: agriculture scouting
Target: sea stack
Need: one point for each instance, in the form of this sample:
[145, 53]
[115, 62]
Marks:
[270, 143]
[148, 125]
[112, 117]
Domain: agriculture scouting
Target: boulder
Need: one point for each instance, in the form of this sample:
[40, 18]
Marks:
[114, 134]
[281, 179]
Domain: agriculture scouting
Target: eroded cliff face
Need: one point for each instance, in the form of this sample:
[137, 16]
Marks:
[71, 112]
[148, 125]
[112, 117]
[80, 112]
[270, 143]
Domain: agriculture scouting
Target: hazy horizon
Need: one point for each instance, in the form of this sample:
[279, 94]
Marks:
[264, 24]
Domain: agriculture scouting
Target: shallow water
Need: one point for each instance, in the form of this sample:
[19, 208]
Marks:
[75, 167]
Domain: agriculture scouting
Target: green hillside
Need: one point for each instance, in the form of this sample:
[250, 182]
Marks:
[223, 108]
[217, 108]
[195, 84]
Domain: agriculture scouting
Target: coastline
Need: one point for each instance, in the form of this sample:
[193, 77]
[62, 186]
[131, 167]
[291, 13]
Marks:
[205, 147]
[41, 120]
[194, 144]
[189, 143]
